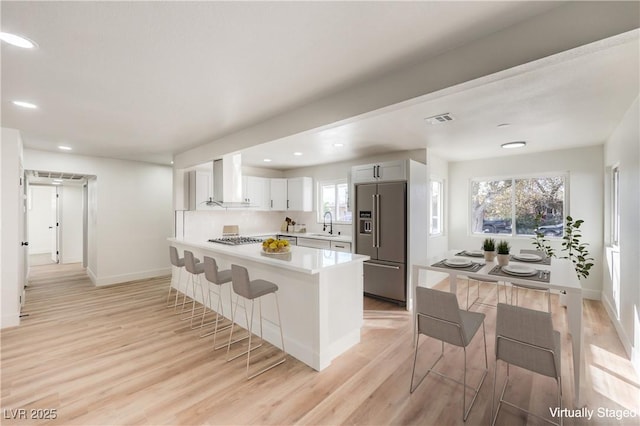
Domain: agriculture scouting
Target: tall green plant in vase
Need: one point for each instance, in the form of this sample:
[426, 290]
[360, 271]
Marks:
[576, 251]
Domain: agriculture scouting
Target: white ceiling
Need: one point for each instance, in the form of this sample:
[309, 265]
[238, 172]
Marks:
[147, 80]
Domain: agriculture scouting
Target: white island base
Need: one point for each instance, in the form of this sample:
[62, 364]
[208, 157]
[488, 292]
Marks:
[320, 294]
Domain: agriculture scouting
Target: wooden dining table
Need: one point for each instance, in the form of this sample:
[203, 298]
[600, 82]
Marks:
[562, 277]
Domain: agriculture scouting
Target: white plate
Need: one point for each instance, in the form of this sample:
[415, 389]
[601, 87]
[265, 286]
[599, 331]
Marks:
[527, 257]
[474, 253]
[524, 271]
[457, 262]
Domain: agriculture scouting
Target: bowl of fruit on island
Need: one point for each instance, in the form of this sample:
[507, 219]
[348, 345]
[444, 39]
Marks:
[274, 246]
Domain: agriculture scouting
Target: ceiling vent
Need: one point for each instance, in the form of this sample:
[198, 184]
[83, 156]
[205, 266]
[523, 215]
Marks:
[440, 118]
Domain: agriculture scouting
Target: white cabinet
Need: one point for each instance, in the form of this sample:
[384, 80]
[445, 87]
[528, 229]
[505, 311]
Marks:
[386, 171]
[300, 194]
[257, 192]
[314, 243]
[341, 246]
[278, 194]
[200, 189]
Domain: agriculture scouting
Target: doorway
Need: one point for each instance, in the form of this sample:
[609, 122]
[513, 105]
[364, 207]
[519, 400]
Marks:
[56, 217]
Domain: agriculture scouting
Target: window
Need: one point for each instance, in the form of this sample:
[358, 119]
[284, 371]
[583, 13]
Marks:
[497, 205]
[436, 213]
[333, 197]
[615, 220]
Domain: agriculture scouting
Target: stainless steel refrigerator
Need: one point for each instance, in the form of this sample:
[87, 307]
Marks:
[381, 233]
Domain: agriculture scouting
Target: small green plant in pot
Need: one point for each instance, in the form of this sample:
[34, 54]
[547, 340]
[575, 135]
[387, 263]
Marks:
[489, 247]
[503, 253]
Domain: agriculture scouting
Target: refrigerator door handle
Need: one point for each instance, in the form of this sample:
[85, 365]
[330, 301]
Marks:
[377, 223]
[374, 219]
[374, 171]
[379, 265]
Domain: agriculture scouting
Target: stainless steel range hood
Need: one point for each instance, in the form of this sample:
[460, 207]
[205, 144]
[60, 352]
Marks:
[227, 182]
[216, 184]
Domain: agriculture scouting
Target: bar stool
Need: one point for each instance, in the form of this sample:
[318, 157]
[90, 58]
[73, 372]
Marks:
[178, 262]
[479, 279]
[195, 269]
[218, 278]
[252, 290]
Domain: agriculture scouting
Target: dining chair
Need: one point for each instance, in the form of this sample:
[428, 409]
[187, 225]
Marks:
[478, 279]
[439, 316]
[526, 338]
[516, 287]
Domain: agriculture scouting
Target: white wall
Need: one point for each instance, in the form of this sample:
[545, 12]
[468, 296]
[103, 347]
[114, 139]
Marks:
[10, 269]
[92, 227]
[130, 213]
[623, 150]
[71, 224]
[41, 216]
[437, 169]
[586, 171]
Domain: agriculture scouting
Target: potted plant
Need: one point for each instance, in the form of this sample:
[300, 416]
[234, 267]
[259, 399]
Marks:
[503, 253]
[489, 247]
[539, 241]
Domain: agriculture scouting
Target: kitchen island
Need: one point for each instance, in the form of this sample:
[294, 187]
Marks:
[320, 294]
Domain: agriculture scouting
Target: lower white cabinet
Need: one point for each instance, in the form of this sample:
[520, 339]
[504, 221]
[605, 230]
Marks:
[341, 246]
[314, 243]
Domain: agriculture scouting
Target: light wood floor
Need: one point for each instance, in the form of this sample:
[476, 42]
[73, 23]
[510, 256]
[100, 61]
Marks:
[116, 355]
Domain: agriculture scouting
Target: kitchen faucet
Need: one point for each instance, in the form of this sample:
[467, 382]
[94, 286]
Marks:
[324, 222]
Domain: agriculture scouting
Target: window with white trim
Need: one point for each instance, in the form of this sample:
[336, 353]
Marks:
[333, 197]
[435, 210]
[510, 205]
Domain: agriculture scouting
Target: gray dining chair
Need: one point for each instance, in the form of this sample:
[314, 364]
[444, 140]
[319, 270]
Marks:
[439, 316]
[478, 279]
[214, 276]
[526, 338]
[516, 287]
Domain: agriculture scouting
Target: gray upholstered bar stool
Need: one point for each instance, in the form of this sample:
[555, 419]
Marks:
[217, 278]
[195, 269]
[177, 262]
[251, 290]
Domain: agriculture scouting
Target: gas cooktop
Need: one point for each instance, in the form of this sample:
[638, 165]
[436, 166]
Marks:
[236, 241]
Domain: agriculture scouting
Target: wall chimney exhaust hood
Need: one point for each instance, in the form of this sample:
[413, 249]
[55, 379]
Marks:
[227, 182]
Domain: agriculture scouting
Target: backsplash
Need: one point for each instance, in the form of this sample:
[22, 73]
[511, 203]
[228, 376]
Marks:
[202, 225]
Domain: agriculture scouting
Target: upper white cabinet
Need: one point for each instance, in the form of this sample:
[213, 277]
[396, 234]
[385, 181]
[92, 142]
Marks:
[257, 192]
[278, 194]
[200, 188]
[300, 194]
[385, 171]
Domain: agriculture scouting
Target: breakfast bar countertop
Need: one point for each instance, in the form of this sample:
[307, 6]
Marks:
[301, 259]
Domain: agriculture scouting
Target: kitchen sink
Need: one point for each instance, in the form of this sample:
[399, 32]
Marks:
[323, 235]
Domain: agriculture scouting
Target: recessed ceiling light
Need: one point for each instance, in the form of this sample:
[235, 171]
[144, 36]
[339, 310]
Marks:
[56, 183]
[24, 104]
[57, 180]
[297, 154]
[65, 148]
[17, 40]
[504, 124]
[171, 161]
[338, 145]
[267, 160]
[509, 145]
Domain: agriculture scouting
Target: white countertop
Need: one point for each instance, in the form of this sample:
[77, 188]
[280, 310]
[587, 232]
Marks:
[315, 236]
[302, 259]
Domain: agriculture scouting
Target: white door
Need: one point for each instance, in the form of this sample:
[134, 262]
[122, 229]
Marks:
[55, 226]
[23, 251]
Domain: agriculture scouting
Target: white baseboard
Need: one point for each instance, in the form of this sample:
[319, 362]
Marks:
[116, 279]
[591, 294]
[92, 276]
[12, 320]
[611, 311]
